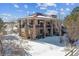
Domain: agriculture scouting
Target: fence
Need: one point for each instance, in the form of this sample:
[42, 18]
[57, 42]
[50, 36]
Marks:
[72, 52]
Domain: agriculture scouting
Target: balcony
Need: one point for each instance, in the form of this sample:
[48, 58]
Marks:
[48, 26]
[40, 25]
[31, 26]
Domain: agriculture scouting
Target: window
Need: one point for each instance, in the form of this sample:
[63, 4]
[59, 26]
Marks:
[48, 24]
[31, 22]
[40, 23]
[41, 32]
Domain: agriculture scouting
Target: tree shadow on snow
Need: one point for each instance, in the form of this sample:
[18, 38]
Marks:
[14, 48]
[51, 40]
[10, 37]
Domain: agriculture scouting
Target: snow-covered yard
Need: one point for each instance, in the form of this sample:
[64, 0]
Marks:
[12, 46]
[49, 46]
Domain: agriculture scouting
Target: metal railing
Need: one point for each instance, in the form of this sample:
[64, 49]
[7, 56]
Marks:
[72, 52]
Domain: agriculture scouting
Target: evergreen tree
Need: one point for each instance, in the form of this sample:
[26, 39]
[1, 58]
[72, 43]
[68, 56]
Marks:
[72, 23]
[1, 24]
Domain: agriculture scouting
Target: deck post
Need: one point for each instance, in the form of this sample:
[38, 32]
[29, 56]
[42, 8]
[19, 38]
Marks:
[19, 27]
[44, 28]
[51, 28]
[34, 29]
[26, 28]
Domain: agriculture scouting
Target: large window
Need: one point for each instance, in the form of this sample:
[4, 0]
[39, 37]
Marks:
[48, 32]
[40, 23]
[31, 23]
[41, 31]
[48, 24]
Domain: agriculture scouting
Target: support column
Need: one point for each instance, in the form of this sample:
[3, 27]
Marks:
[34, 29]
[44, 28]
[28, 29]
[19, 28]
[51, 27]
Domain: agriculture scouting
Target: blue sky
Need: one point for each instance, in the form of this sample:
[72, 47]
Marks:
[11, 11]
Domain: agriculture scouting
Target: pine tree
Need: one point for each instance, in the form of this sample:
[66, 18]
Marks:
[1, 24]
[72, 23]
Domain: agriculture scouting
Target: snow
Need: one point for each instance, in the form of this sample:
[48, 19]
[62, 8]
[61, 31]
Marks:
[44, 16]
[44, 50]
[48, 46]
[76, 43]
[12, 46]
[38, 17]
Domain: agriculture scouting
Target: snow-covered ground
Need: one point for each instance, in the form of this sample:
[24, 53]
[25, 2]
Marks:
[12, 46]
[48, 46]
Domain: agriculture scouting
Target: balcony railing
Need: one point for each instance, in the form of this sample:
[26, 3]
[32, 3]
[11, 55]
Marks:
[31, 26]
[39, 25]
[48, 25]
